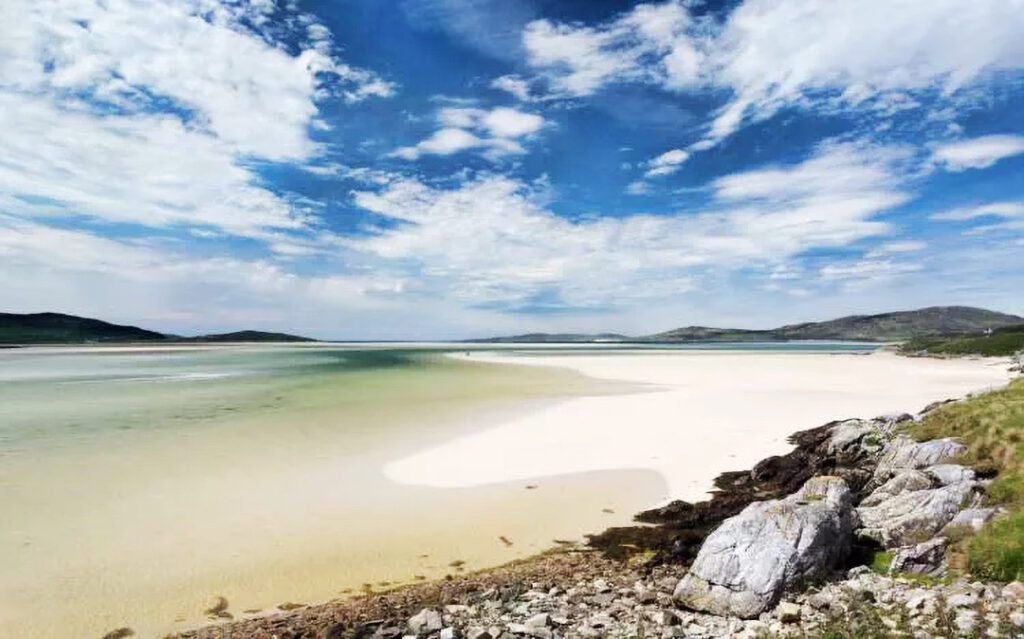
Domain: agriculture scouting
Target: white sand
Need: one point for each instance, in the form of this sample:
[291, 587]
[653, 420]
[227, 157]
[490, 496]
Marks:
[707, 412]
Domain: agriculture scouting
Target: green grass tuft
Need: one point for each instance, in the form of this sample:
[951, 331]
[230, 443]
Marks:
[997, 551]
[881, 561]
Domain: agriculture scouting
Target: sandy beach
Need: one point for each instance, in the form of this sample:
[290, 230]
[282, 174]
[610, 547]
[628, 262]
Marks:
[704, 412]
[377, 477]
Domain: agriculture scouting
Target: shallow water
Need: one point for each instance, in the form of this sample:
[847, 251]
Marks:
[136, 486]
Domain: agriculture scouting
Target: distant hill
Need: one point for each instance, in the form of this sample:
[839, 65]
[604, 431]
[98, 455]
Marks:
[883, 327]
[1004, 341]
[57, 328]
[552, 338]
[249, 336]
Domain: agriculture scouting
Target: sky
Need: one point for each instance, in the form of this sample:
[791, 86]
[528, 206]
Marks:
[435, 169]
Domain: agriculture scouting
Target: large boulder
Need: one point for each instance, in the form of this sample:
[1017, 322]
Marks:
[911, 517]
[903, 453]
[747, 563]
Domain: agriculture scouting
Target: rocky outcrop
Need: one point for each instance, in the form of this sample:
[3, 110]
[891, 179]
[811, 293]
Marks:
[914, 516]
[745, 565]
[904, 454]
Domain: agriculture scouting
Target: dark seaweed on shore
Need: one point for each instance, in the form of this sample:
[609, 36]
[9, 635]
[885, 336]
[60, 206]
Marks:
[674, 532]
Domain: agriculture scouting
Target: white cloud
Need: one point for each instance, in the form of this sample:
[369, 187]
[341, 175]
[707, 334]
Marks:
[896, 248]
[518, 87]
[496, 132]
[150, 113]
[667, 163]
[771, 53]
[978, 153]
[492, 240]
[1000, 216]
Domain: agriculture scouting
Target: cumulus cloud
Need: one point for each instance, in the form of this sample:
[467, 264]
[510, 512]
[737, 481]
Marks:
[495, 132]
[978, 153]
[492, 240]
[151, 113]
[770, 54]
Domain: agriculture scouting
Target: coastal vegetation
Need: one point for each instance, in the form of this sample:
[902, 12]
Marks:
[1000, 342]
[992, 426]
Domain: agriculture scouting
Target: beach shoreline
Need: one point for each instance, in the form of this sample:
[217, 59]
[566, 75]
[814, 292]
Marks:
[558, 569]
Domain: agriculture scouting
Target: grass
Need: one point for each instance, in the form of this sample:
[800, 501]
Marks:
[997, 552]
[992, 426]
[1002, 342]
[881, 561]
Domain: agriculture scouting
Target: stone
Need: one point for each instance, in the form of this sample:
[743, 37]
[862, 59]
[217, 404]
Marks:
[425, 621]
[543, 620]
[962, 600]
[600, 586]
[947, 474]
[915, 516]
[902, 482]
[973, 518]
[1014, 591]
[449, 633]
[696, 630]
[922, 559]
[1017, 619]
[903, 453]
[788, 612]
[478, 632]
[746, 563]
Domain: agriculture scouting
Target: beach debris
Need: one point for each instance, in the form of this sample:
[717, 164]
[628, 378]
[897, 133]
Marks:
[505, 540]
[119, 633]
[253, 611]
[531, 486]
[457, 564]
[219, 608]
[288, 605]
[608, 511]
[420, 577]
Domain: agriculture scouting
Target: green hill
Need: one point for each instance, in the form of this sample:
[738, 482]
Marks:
[55, 328]
[249, 336]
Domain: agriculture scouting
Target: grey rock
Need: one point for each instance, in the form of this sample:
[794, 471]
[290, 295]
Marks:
[449, 633]
[902, 482]
[1014, 591]
[903, 453]
[947, 474]
[426, 621]
[788, 612]
[745, 564]
[1017, 619]
[543, 620]
[478, 632]
[922, 559]
[973, 518]
[911, 517]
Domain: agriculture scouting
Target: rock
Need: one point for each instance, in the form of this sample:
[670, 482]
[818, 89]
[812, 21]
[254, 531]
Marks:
[119, 633]
[788, 612]
[903, 453]
[922, 559]
[601, 586]
[947, 474]
[902, 482]
[973, 518]
[538, 621]
[1013, 591]
[696, 630]
[962, 600]
[478, 632]
[1017, 619]
[911, 517]
[426, 621]
[449, 633]
[745, 564]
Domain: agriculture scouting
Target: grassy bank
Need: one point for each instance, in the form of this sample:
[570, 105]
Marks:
[992, 425]
[1000, 343]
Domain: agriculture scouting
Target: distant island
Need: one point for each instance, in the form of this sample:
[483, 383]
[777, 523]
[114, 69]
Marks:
[934, 321]
[58, 328]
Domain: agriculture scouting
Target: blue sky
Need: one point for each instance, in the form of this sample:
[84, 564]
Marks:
[455, 168]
